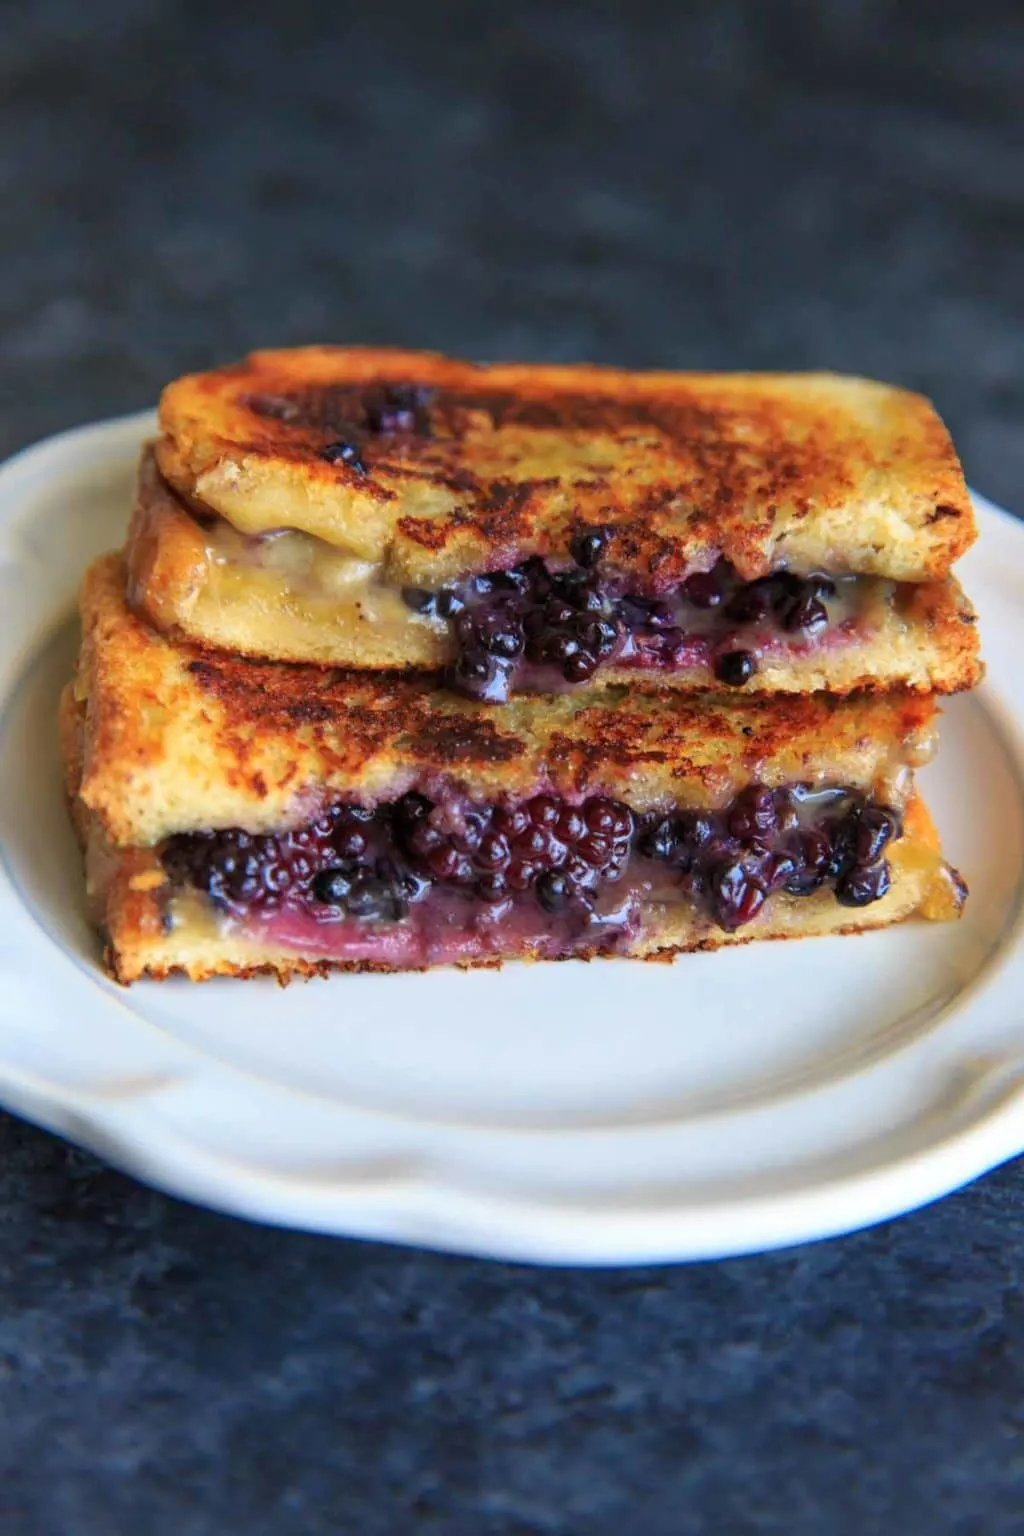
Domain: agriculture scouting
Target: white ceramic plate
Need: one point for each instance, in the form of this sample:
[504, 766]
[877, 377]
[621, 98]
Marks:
[601, 1113]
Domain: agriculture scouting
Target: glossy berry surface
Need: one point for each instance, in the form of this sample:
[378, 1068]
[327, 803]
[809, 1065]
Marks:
[588, 546]
[736, 893]
[863, 884]
[765, 841]
[561, 857]
[344, 453]
[244, 872]
[557, 852]
[734, 668]
[537, 626]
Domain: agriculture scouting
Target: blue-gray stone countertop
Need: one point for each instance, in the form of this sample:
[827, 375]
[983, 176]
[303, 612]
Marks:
[759, 185]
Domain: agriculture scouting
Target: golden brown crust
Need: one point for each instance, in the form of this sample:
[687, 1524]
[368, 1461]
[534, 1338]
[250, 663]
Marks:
[927, 641]
[121, 883]
[176, 738]
[165, 552]
[816, 471]
[130, 964]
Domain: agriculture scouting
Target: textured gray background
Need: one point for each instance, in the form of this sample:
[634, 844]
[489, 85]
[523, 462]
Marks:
[832, 184]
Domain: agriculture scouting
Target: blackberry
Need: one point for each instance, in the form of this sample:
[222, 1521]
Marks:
[595, 849]
[492, 852]
[658, 839]
[449, 603]
[521, 874]
[446, 862]
[349, 840]
[535, 844]
[580, 668]
[344, 453]
[420, 600]
[492, 888]
[623, 824]
[574, 620]
[580, 871]
[775, 872]
[467, 839]
[753, 814]
[561, 619]
[544, 811]
[536, 575]
[331, 886]
[585, 597]
[751, 604]
[863, 884]
[513, 820]
[599, 636]
[561, 648]
[841, 832]
[588, 545]
[473, 668]
[811, 852]
[553, 891]
[372, 865]
[424, 841]
[734, 668]
[694, 830]
[503, 638]
[599, 815]
[501, 581]
[737, 897]
[807, 613]
[558, 613]
[876, 828]
[703, 589]
[571, 826]
[241, 871]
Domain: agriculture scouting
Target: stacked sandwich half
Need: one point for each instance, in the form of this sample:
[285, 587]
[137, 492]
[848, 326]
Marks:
[410, 662]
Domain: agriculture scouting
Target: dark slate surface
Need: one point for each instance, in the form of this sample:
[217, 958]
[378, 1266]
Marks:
[706, 185]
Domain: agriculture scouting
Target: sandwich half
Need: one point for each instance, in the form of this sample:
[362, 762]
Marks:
[548, 528]
[242, 816]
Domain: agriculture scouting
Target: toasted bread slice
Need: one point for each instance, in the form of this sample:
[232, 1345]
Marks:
[438, 468]
[176, 738]
[149, 931]
[242, 816]
[297, 598]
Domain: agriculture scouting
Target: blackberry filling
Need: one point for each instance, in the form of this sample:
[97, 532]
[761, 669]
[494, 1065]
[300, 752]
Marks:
[577, 863]
[536, 628]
